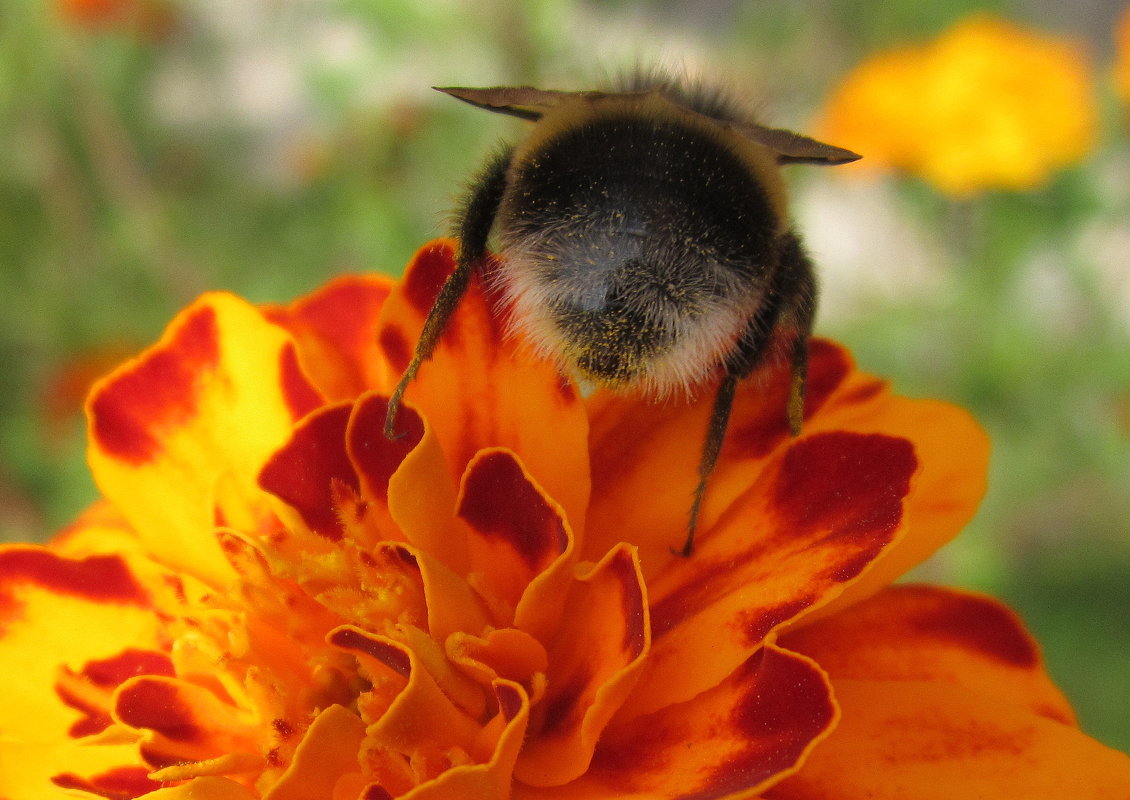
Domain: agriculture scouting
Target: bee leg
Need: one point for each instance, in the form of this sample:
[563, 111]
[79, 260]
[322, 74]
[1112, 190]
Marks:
[715, 433]
[791, 302]
[798, 291]
[474, 227]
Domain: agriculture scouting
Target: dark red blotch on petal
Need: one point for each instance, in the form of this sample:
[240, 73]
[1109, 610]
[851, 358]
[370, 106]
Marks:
[396, 348]
[779, 725]
[758, 623]
[156, 705]
[755, 435]
[634, 621]
[127, 664]
[500, 502]
[95, 718]
[99, 579]
[565, 702]
[301, 473]
[849, 484]
[374, 455]
[299, 394]
[392, 657]
[988, 628]
[120, 783]
[157, 393]
[426, 274]
[509, 700]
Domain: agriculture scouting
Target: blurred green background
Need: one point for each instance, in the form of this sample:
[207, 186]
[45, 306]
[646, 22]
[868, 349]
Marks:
[153, 149]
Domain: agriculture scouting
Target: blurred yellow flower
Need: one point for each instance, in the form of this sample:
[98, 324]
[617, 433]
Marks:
[986, 105]
[1122, 56]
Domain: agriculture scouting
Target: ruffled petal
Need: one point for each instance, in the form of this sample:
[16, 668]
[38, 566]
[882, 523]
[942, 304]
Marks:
[935, 741]
[817, 516]
[741, 736]
[415, 732]
[594, 662]
[310, 469]
[493, 778]
[519, 402]
[515, 531]
[924, 633]
[326, 757]
[335, 330]
[213, 399]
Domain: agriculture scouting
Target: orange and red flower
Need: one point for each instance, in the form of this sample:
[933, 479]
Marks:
[274, 601]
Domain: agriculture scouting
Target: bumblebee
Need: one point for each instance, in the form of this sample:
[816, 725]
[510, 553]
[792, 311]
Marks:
[645, 243]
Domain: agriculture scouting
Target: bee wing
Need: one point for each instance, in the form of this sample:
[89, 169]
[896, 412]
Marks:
[524, 102]
[793, 148]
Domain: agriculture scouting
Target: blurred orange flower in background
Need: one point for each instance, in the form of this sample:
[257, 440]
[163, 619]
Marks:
[1122, 56]
[274, 601]
[986, 105]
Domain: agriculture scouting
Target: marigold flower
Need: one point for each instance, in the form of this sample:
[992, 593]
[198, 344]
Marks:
[274, 601]
[986, 105]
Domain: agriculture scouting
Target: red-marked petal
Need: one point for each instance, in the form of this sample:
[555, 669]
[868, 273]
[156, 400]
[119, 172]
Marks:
[516, 531]
[922, 633]
[594, 662]
[822, 511]
[211, 400]
[182, 722]
[953, 452]
[934, 741]
[327, 755]
[376, 458]
[409, 719]
[335, 329]
[520, 402]
[57, 616]
[745, 734]
[302, 472]
[651, 452]
[117, 784]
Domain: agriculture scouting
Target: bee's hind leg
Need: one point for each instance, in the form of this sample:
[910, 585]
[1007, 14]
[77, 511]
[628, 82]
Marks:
[475, 224]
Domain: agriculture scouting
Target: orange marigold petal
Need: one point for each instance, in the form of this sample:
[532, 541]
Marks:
[182, 722]
[520, 402]
[953, 452]
[62, 612]
[415, 732]
[327, 755]
[934, 741]
[645, 456]
[303, 471]
[594, 662]
[925, 633]
[819, 514]
[211, 400]
[204, 789]
[422, 498]
[734, 740]
[516, 532]
[493, 778]
[335, 329]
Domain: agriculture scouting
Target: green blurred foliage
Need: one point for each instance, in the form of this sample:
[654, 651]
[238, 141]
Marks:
[261, 147]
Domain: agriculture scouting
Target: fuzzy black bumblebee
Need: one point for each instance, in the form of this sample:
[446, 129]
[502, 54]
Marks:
[646, 244]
